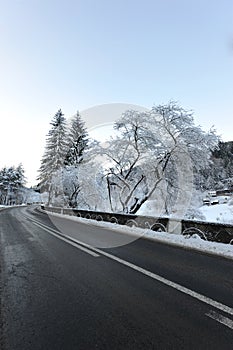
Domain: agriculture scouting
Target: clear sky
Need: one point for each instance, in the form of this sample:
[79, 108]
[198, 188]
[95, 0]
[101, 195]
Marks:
[75, 54]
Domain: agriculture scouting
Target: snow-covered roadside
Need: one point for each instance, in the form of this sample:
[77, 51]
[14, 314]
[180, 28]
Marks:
[218, 213]
[221, 213]
[195, 243]
[11, 206]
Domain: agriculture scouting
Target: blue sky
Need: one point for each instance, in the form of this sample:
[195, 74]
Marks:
[78, 54]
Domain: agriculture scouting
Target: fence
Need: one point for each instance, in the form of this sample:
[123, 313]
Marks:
[208, 231]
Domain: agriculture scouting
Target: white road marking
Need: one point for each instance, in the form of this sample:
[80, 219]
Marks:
[221, 319]
[76, 245]
[169, 283]
[156, 277]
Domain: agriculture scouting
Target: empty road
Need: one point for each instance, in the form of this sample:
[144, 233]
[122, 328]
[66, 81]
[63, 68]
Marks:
[57, 291]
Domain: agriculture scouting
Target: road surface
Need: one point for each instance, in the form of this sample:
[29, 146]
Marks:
[59, 294]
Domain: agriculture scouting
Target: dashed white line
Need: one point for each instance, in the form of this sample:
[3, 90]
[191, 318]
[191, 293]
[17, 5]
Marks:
[221, 319]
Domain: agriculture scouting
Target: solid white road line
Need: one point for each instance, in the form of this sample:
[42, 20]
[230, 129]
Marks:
[221, 319]
[156, 277]
[169, 283]
[76, 245]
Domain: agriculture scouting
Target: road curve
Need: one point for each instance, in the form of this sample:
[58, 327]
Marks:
[59, 294]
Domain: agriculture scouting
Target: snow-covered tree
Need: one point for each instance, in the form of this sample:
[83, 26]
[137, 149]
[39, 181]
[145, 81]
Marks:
[54, 155]
[84, 186]
[156, 149]
[77, 141]
[219, 173]
[30, 196]
[12, 181]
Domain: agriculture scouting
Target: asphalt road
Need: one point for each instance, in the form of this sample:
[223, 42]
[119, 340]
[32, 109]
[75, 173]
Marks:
[58, 294]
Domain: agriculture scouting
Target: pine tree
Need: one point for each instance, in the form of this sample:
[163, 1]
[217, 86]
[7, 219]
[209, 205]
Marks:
[20, 175]
[12, 180]
[78, 141]
[3, 185]
[55, 153]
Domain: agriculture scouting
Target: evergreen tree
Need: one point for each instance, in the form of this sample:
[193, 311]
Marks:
[219, 174]
[20, 175]
[78, 141]
[12, 180]
[3, 185]
[55, 153]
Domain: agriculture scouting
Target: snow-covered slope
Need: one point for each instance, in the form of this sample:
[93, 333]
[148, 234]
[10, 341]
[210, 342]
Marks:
[222, 213]
[150, 208]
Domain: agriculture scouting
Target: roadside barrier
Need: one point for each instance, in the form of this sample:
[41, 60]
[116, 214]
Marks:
[206, 230]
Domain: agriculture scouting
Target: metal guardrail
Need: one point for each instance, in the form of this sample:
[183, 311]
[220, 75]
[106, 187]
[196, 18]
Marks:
[208, 231]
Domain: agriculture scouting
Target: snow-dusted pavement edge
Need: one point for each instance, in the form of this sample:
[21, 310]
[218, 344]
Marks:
[194, 243]
[12, 206]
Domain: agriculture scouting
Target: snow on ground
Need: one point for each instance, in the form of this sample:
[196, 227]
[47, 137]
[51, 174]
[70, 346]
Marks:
[195, 242]
[5, 206]
[11, 206]
[152, 207]
[221, 213]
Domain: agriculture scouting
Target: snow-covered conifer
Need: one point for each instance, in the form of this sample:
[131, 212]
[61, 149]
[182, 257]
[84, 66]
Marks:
[55, 153]
[77, 141]
[12, 180]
